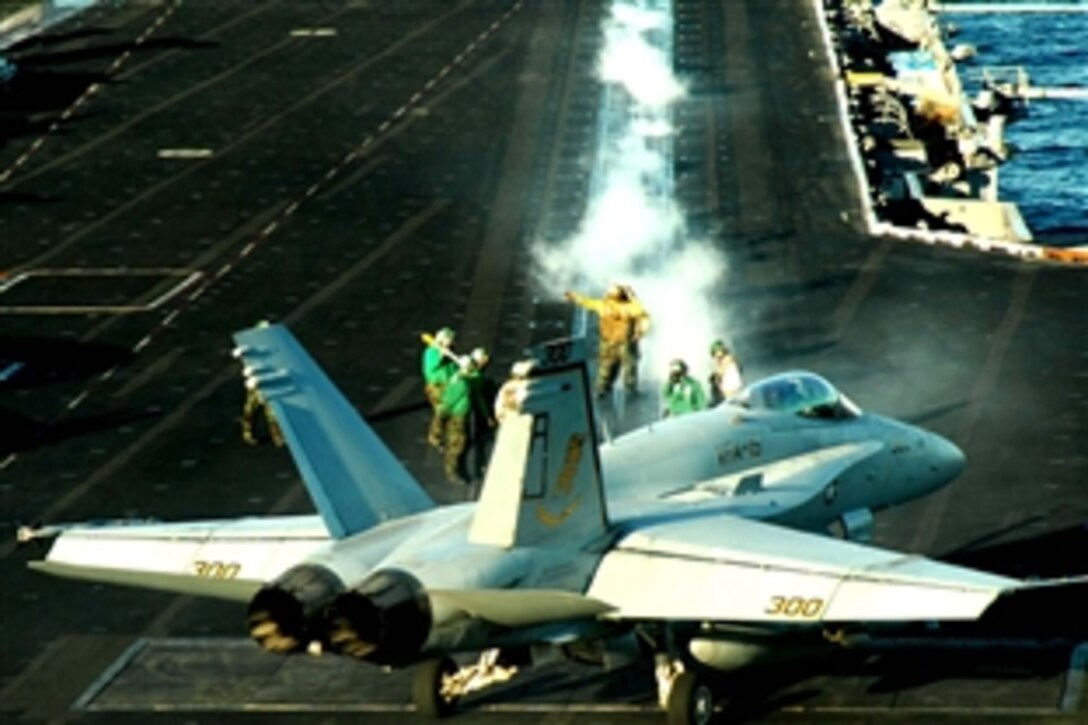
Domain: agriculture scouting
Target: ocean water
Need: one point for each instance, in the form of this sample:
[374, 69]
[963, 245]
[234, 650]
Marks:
[1047, 176]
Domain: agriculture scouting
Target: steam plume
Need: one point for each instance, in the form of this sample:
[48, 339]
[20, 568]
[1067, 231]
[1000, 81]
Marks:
[633, 231]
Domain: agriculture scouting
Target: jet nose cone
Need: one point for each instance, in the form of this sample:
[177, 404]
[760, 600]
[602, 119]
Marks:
[948, 460]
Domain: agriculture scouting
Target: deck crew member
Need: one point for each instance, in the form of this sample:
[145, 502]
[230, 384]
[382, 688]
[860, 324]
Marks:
[623, 321]
[438, 365]
[725, 378]
[483, 420]
[256, 404]
[682, 393]
[460, 397]
[513, 391]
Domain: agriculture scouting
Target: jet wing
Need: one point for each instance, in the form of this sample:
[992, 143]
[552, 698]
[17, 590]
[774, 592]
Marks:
[353, 479]
[728, 569]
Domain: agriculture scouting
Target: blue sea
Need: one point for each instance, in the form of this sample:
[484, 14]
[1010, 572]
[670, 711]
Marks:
[1047, 176]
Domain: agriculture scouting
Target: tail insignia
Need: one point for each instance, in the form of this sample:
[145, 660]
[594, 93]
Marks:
[564, 485]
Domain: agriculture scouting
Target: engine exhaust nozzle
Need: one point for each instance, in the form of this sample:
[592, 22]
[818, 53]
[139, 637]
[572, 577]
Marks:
[284, 616]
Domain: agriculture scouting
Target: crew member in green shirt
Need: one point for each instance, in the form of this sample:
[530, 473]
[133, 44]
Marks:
[438, 364]
[682, 393]
[461, 397]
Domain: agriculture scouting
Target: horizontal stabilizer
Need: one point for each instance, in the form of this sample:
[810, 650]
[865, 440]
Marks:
[228, 559]
[354, 480]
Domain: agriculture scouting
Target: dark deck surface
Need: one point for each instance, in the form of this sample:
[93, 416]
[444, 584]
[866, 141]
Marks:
[389, 179]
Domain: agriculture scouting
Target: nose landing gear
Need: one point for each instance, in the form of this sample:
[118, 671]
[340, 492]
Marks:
[688, 698]
[691, 701]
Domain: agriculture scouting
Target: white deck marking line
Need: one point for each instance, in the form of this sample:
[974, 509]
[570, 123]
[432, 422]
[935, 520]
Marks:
[185, 153]
[110, 674]
[188, 279]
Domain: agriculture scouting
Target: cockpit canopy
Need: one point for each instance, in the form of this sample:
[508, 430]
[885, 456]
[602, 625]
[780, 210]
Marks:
[799, 393]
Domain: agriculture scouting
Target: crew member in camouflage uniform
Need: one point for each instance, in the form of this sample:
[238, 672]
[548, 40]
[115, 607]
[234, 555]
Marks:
[682, 393]
[623, 322]
[483, 421]
[255, 403]
[438, 365]
[460, 398]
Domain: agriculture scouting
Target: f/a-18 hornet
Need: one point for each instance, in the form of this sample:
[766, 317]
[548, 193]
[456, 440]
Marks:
[705, 535]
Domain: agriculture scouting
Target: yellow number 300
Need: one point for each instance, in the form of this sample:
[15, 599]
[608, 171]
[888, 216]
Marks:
[216, 569]
[795, 607]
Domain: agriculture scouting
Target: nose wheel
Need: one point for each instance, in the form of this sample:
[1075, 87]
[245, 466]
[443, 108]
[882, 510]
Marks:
[691, 701]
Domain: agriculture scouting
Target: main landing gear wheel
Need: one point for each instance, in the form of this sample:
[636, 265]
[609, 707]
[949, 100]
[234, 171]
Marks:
[691, 701]
[427, 688]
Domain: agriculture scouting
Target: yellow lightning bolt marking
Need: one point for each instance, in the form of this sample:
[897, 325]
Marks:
[564, 485]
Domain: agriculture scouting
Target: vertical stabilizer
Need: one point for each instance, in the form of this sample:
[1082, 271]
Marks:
[543, 483]
[354, 480]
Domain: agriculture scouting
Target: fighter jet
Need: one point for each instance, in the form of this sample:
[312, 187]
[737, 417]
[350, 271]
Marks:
[706, 535]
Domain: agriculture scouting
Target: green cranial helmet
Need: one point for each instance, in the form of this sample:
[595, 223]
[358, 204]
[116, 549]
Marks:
[718, 348]
[444, 337]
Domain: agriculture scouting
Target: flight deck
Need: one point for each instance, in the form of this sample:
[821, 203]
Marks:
[172, 172]
[222, 677]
